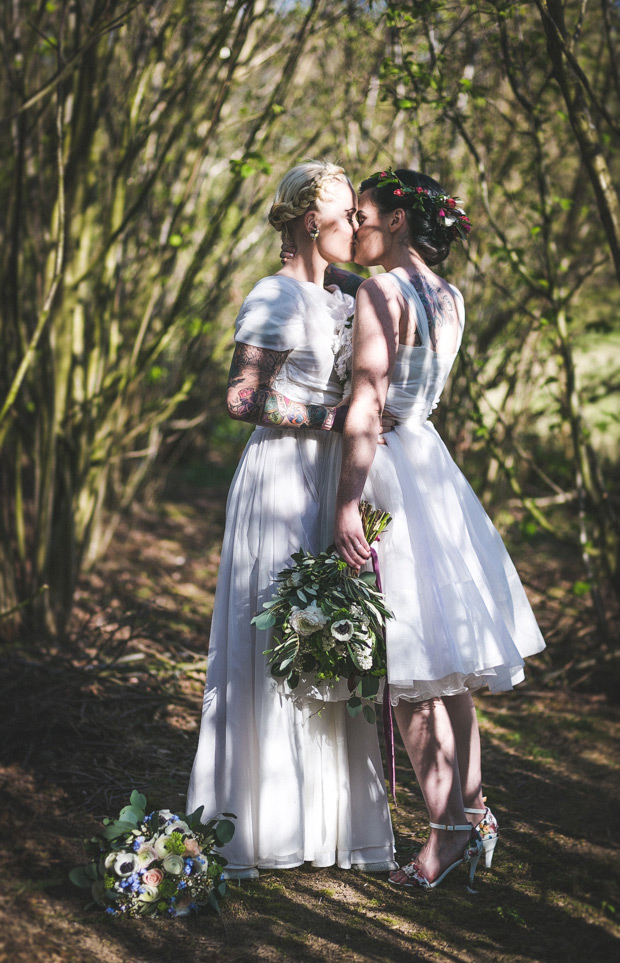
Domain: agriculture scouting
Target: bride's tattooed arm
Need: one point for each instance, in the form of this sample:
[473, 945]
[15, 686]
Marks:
[347, 281]
[251, 397]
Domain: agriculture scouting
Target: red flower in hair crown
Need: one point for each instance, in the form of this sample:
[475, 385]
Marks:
[445, 207]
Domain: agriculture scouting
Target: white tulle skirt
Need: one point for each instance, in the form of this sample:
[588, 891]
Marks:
[461, 616]
[304, 779]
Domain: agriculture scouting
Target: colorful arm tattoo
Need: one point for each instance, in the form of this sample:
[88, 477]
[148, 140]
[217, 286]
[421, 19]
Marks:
[251, 397]
[347, 281]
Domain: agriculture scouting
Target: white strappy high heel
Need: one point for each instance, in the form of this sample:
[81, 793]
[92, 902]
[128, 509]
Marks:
[489, 833]
[415, 878]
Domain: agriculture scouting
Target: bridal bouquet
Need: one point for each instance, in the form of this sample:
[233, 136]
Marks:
[329, 621]
[162, 864]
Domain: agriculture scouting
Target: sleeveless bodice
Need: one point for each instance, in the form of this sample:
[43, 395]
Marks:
[420, 373]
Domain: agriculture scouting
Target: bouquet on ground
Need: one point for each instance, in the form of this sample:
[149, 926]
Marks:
[329, 621]
[162, 864]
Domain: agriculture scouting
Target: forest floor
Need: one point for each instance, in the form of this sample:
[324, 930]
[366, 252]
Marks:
[118, 708]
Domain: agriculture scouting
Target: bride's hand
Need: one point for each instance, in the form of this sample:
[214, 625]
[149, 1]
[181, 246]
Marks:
[349, 537]
[387, 424]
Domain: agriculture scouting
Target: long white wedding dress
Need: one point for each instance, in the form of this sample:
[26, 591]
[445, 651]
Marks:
[303, 785]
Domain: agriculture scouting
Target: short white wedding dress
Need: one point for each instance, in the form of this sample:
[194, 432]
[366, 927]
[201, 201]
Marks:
[303, 785]
[462, 619]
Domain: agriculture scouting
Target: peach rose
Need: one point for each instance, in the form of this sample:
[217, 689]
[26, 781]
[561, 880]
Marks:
[192, 847]
[152, 877]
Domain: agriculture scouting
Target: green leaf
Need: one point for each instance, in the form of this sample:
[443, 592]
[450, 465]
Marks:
[224, 831]
[131, 815]
[369, 714]
[195, 819]
[369, 686]
[264, 621]
[581, 588]
[118, 828]
[354, 706]
[84, 876]
[369, 578]
[137, 800]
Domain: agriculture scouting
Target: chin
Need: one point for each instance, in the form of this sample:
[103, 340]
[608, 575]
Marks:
[359, 259]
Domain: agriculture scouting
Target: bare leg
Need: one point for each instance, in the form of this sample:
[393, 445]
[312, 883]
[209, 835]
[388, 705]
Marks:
[429, 738]
[462, 714]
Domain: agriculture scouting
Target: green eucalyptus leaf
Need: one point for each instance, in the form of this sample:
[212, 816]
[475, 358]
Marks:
[264, 621]
[138, 800]
[369, 714]
[84, 876]
[131, 815]
[224, 831]
[369, 686]
[354, 707]
[118, 828]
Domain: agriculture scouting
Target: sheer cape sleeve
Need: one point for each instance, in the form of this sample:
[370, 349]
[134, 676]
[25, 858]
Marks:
[273, 315]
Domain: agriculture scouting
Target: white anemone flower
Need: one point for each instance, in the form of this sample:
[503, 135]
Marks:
[342, 630]
[177, 827]
[125, 864]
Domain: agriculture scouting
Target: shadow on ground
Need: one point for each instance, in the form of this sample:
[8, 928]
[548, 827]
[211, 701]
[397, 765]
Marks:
[117, 708]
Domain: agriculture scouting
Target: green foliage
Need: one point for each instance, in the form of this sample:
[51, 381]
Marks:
[147, 154]
[147, 174]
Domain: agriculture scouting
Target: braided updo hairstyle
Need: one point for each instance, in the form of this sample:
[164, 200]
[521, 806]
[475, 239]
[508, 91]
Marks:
[299, 190]
[428, 235]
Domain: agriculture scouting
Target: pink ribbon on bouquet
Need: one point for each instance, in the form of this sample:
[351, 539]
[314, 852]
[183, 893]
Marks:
[388, 721]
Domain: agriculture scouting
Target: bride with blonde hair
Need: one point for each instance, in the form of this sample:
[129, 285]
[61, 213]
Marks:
[304, 784]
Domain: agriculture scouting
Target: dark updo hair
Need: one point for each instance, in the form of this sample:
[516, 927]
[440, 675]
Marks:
[428, 235]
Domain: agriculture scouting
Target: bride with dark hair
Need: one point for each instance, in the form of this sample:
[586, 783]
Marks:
[461, 616]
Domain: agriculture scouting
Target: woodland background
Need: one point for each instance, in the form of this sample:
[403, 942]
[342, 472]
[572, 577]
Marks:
[141, 142]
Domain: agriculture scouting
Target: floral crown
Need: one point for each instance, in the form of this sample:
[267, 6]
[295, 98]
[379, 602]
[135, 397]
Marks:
[445, 207]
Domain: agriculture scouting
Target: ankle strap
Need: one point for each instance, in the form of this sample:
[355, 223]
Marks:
[450, 829]
[483, 811]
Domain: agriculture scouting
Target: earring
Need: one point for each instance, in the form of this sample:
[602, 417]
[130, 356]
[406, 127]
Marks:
[314, 233]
